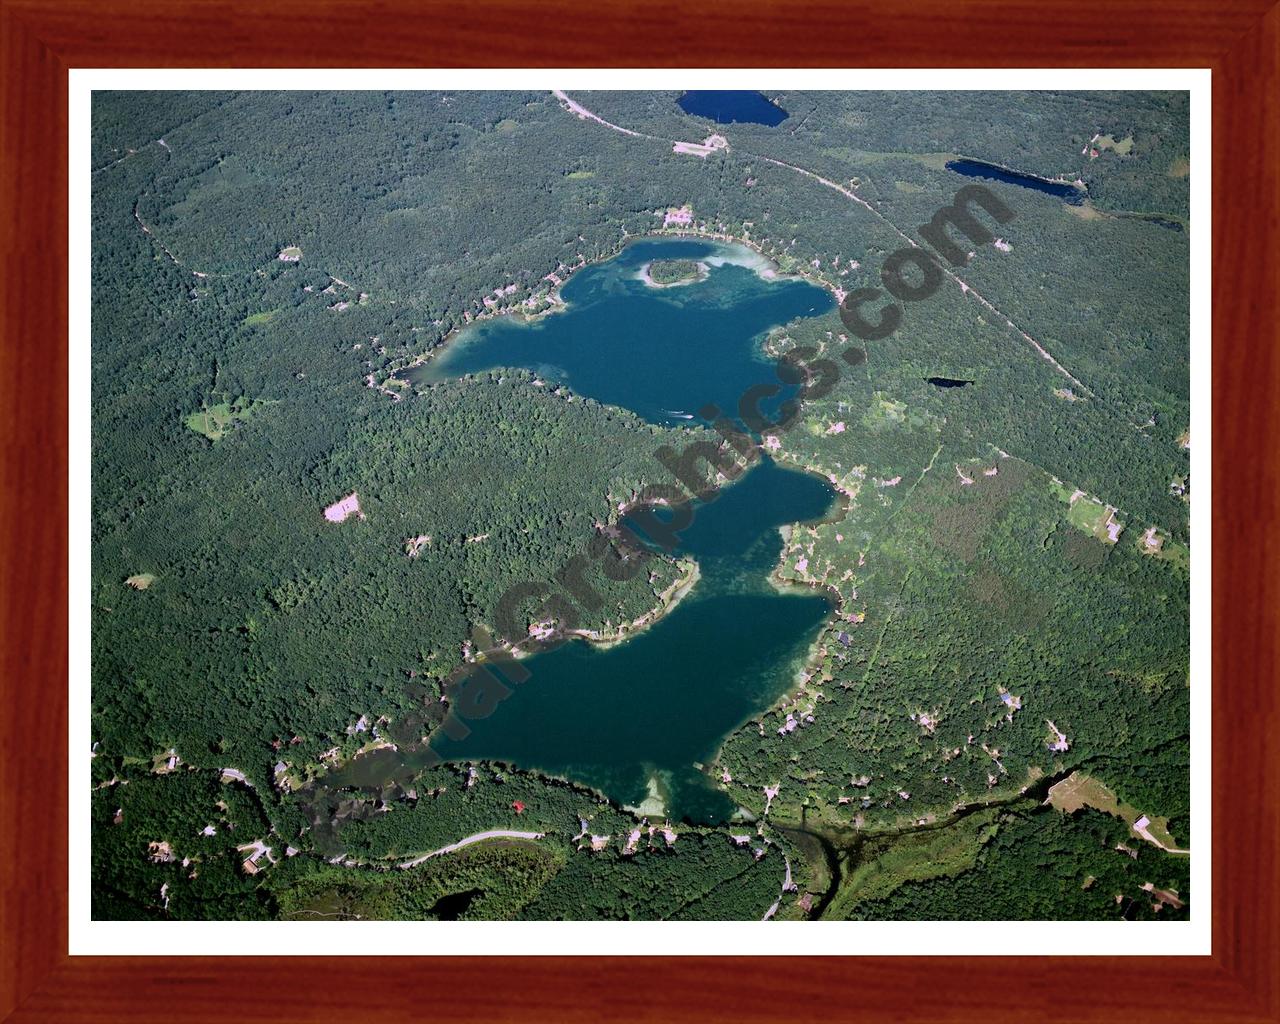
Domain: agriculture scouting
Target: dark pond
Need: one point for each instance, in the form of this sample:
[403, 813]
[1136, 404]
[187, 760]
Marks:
[727, 107]
[453, 906]
[979, 169]
[946, 382]
[1168, 223]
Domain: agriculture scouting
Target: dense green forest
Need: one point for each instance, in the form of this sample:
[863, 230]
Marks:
[1038, 865]
[266, 266]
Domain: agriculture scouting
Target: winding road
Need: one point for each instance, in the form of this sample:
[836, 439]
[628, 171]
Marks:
[583, 112]
[479, 837]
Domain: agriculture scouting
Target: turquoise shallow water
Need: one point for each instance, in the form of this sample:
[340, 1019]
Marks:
[644, 712]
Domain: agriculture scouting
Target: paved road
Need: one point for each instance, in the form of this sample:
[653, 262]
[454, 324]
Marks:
[479, 837]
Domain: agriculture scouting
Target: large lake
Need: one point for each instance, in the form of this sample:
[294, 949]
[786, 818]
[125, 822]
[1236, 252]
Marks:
[662, 352]
[634, 719]
[643, 712]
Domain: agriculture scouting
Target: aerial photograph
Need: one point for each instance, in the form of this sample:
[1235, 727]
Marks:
[640, 506]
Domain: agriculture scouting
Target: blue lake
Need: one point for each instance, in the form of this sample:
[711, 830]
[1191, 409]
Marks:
[728, 107]
[979, 169]
[647, 709]
[662, 352]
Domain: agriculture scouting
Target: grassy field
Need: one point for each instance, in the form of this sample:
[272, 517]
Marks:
[1122, 147]
[1092, 516]
[497, 878]
[1080, 790]
[1155, 543]
[213, 421]
[933, 161]
[884, 412]
[889, 863]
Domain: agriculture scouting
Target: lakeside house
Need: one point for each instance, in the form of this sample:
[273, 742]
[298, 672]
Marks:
[681, 217]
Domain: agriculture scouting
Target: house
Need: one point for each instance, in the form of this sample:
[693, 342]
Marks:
[682, 217]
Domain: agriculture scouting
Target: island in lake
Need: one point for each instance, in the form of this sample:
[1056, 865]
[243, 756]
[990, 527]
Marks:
[665, 273]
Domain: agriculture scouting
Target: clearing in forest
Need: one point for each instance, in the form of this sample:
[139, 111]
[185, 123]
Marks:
[213, 421]
[1122, 147]
[933, 161]
[1156, 543]
[1093, 517]
[1085, 211]
[1080, 790]
[884, 412]
[259, 318]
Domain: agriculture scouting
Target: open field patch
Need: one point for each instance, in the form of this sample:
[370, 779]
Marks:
[1085, 211]
[884, 412]
[1156, 543]
[265, 317]
[214, 421]
[934, 161]
[1079, 790]
[1121, 147]
[893, 862]
[1093, 517]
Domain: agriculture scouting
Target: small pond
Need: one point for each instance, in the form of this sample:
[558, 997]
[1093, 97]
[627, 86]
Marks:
[731, 107]
[1058, 189]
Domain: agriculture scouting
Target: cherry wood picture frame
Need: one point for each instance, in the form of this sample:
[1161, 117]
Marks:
[41, 39]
